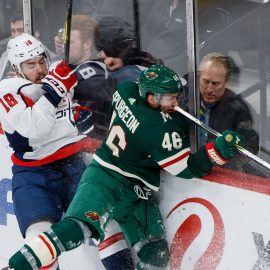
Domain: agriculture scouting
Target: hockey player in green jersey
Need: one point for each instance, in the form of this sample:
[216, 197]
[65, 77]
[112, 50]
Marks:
[145, 136]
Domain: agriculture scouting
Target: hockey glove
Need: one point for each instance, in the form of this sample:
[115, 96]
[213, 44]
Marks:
[60, 81]
[223, 147]
[83, 117]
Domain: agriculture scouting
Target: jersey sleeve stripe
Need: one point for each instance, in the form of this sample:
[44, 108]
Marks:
[172, 159]
[169, 163]
[28, 102]
[178, 166]
[177, 163]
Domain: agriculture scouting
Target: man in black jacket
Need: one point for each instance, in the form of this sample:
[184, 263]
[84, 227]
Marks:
[221, 108]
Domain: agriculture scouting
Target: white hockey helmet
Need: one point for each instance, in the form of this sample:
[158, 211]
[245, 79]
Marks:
[24, 48]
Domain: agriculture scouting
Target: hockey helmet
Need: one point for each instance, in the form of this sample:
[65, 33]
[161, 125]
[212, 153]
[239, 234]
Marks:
[24, 48]
[159, 80]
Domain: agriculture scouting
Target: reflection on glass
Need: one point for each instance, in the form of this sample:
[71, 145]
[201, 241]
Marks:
[237, 30]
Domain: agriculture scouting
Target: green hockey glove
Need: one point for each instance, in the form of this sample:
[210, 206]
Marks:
[223, 147]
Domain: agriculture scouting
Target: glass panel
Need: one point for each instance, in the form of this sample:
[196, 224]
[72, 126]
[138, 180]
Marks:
[147, 32]
[11, 25]
[127, 33]
[238, 30]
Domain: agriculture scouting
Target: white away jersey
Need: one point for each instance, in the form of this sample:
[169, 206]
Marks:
[34, 127]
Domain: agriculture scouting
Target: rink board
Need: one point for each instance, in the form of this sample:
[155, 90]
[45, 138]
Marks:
[220, 222]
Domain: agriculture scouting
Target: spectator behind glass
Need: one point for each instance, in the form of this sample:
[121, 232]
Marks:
[113, 37]
[16, 29]
[221, 108]
[114, 40]
[81, 37]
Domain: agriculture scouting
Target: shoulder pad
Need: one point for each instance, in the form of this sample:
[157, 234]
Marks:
[91, 69]
[13, 84]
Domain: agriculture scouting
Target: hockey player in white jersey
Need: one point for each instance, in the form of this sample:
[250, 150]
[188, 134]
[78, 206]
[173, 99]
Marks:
[36, 116]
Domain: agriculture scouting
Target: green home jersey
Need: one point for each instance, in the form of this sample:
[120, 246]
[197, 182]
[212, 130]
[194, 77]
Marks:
[143, 140]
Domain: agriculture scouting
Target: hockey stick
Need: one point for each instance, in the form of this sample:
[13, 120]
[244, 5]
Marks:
[67, 31]
[136, 18]
[240, 149]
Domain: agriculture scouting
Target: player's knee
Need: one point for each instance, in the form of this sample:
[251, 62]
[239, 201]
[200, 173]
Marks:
[154, 253]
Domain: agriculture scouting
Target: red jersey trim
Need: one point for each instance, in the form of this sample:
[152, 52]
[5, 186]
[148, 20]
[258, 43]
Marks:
[1, 129]
[28, 101]
[88, 145]
[169, 163]
[110, 241]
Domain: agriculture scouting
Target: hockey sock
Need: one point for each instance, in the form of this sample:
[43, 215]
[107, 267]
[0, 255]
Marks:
[45, 248]
[120, 260]
[114, 251]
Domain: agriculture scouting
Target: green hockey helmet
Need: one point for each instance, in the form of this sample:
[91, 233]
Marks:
[159, 80]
